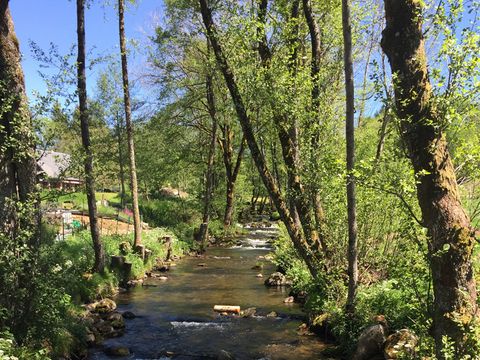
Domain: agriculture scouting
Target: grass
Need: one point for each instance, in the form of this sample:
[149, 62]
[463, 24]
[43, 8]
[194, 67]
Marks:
[76, 256]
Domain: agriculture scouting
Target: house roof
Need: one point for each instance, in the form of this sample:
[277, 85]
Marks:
[54, 164]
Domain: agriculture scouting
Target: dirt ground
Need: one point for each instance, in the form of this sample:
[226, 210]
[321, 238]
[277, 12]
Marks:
[107, 226]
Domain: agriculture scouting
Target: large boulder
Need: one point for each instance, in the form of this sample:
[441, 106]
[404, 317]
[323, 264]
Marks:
[105, 306]
[277, 279]
[401, 344]
[370, 343]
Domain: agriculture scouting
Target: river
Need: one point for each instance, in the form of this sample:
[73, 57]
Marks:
[176, 318]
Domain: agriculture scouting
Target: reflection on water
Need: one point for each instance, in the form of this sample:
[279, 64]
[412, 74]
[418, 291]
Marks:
[176, 316]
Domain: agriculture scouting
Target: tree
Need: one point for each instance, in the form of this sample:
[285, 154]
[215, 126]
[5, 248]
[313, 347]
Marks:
[108, 87]
[293, 226]
[210, 163]
[350, 137]
[17, 152]
[19, 205]
[128, 123]
[232, 168]
[287, 126]
[99, 265]
[451, 235]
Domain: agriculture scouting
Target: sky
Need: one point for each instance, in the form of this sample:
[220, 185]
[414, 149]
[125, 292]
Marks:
[46, 21]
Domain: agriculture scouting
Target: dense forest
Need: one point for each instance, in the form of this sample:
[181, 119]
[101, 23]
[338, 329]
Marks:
[334, 144]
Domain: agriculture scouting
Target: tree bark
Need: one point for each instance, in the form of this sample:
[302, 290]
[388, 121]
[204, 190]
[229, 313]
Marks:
[203, 237]
[19, 200]
[246, 124]
[352, 253]
[451, 235]
[137, 225]
[17, 150]
[382, 136]
[231, 170]
[99, 265]
[121, 172]
[316, 49]
[316, 52]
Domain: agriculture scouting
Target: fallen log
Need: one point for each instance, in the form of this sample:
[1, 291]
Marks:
[227, 308]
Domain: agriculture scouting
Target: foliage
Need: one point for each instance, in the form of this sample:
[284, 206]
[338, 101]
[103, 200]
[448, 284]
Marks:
[36, 308]
[10, 351]
[181, 215]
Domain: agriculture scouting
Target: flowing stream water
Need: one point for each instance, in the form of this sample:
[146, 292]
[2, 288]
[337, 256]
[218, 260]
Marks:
[176, 318]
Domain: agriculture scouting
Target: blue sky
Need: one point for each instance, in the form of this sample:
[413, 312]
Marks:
[46, 21]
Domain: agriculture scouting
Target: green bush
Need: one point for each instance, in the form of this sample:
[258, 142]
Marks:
[179, 215]
[9, 350]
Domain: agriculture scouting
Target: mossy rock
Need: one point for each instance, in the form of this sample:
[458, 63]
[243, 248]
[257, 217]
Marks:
[105, 306]
[401, 344]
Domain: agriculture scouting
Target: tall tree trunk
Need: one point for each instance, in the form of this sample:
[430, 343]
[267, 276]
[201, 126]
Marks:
[246, 124]
[231, 170]
[99, 265]
[350, 138]
[17, 153]
[451, 235]
[316, 44]
[121, 172]
[19, 203]
[210, 163]
[382, 135]
[316, 50]
[137, 225]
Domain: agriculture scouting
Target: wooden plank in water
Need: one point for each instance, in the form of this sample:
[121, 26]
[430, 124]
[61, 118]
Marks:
[227, 308]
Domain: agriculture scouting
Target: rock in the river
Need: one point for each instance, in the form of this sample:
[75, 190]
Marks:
[128, 315]
[202, 264]
[272, 314]
[105, 306]
[257, 267]
[105, 329]
[289, 300]
[225, 355]
[371, 340]
[401, 344]
[259, 276]
[304, 330]
[132, 283]
[277, 279]
[116, 320]
[117, 351]
[247, 313]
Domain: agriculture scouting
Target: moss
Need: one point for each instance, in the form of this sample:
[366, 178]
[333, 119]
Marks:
[464, 240]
